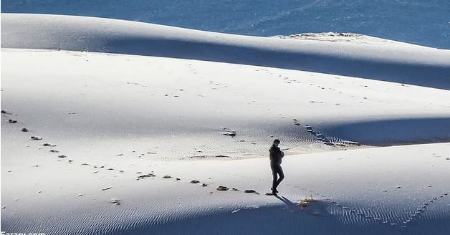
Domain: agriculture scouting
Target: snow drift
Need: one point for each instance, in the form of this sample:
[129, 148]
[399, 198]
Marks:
[391, 62]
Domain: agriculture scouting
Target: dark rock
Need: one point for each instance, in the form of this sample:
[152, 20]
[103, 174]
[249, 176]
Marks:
[204, 185]
[195, 181]
[167, 177]
[12, 121]
[36, 138]
[24, 129]
[107, 188]
[63, 156]
[54, 151]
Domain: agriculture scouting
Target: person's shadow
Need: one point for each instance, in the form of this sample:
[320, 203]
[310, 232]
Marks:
[289, 203]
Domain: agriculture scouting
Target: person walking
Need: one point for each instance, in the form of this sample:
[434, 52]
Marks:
[275, 163]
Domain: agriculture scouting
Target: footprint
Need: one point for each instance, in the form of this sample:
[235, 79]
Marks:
[115, 201]
[145, 176]
[229, 132]
[222, 188]
[48, 145]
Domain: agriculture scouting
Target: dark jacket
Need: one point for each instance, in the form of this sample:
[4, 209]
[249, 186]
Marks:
[275, 155]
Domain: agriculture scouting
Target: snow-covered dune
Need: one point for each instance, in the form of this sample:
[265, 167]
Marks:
[136, 141]
[389, 62]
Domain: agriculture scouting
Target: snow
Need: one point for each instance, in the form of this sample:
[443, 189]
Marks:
[118, 111]
[391, 62]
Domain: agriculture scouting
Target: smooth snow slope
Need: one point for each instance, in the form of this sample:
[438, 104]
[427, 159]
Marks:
[414, 21]
[391, 62]
[176, 108]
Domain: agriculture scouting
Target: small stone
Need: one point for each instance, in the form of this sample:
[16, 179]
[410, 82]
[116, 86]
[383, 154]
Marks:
[222, 188]
[110, 169]
[107, 188]
[195, 181]
[36, 138]
[12, 121]
[234, 189]
[177, 179]
[249, 191]
[167, 177]
[204, 185]
[24, 129]
[54, 151]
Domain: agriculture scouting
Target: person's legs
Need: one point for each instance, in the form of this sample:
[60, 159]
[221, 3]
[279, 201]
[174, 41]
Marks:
[275, 178]
[281, 174]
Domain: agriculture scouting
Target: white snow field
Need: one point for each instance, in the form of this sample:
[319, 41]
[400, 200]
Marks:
[130, 128]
